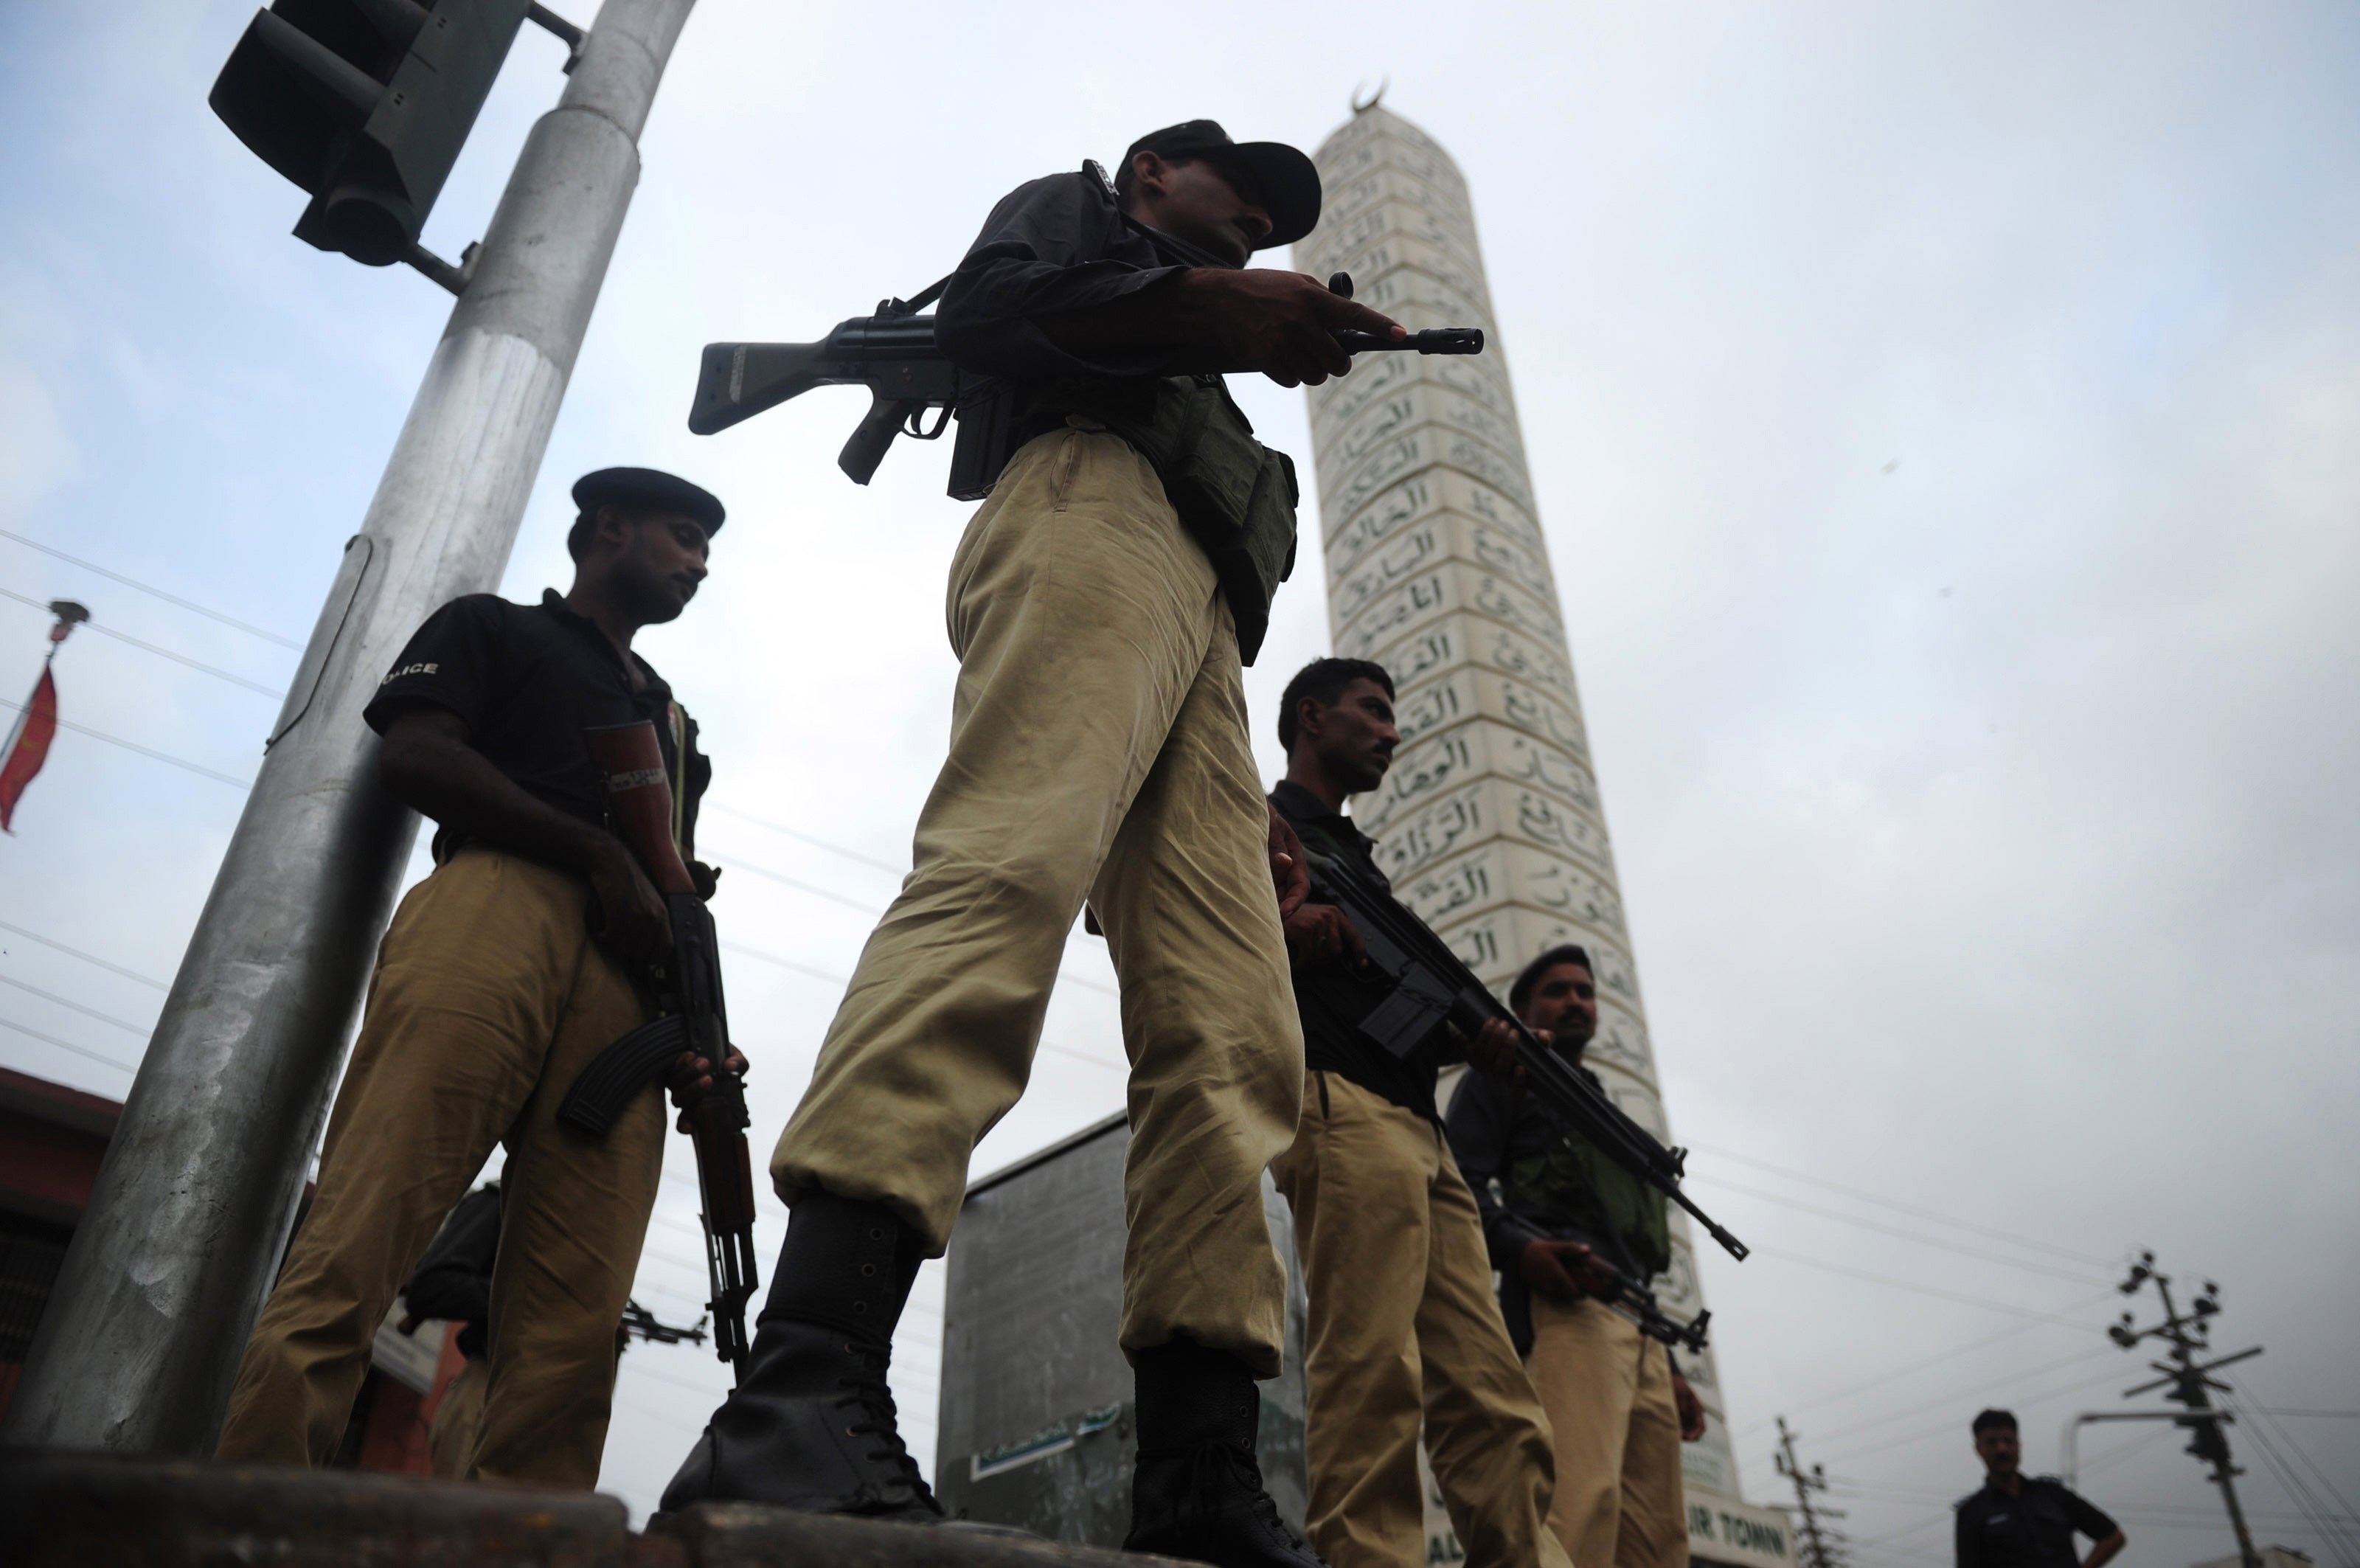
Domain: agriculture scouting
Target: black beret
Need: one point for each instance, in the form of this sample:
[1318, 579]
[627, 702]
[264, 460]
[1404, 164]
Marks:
[650, 489]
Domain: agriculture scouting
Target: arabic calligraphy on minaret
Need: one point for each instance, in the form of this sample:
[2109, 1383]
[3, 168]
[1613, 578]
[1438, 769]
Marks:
[1490, 823]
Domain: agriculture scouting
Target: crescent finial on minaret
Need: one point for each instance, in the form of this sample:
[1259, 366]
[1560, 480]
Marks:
[1375, 98]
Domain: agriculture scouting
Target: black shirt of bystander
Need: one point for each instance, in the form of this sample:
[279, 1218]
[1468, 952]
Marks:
[2033, 1528]
[528, 680]
[1332, 998]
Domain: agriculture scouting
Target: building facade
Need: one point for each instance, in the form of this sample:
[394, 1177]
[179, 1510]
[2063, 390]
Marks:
[1490, 823]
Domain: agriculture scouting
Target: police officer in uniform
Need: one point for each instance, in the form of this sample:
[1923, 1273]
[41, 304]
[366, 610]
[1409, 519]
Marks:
[504, 974]
[1403, 1329]
[2025, 1521]
[1101, 603]
[1563, 1215]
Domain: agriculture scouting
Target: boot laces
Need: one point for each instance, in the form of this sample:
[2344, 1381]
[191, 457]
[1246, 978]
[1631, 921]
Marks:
[1218, 1472]
[872, 1394]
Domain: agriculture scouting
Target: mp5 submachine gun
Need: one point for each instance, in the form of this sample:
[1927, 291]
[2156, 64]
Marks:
[893, 354]
[689, 1016]
[1432, 987]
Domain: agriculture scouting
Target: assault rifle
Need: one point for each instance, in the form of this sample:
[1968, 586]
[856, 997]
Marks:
[894, 355]
[1636, 1302]
[689, 1016]
[1432, 987]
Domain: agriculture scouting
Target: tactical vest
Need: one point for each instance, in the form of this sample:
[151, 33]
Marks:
[1573, 1182]
[1235, 496]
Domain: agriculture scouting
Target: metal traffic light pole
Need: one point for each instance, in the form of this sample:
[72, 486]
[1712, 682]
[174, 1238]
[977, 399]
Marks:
[191, 1210]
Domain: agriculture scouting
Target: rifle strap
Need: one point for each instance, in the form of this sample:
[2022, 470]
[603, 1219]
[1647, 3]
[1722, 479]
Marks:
[919, 300]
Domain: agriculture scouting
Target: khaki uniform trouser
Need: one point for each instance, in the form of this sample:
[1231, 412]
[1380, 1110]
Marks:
[1097, 751]
[1403, 1329]
[488, 998]
[451, 1434]
[1608, 1390]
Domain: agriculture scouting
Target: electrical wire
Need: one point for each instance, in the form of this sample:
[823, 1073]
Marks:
[870, 908]
[86, 958]
[1947, 1400]
[812, 972]
[191, 605]
[143, 751]
[1782, 1256]
[2065, 1314]
[213, 670]
[1949, 1424]
[1723, 1184]
[2317, 1514]
[797, 833]
[67, 1046]
[2265, 1412]
[142, 1030]
[1912, 1210]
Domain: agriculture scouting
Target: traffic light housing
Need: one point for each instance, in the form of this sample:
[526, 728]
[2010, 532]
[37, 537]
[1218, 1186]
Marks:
[365, 104]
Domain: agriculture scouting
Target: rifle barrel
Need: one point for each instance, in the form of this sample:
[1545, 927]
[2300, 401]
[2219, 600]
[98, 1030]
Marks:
[1436, 340]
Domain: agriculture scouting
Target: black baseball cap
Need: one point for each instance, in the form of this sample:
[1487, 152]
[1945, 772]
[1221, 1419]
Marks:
[652, 489]
[1282, 178]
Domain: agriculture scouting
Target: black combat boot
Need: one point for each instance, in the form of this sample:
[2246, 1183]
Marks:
[1198, 1492]
[811, 1423]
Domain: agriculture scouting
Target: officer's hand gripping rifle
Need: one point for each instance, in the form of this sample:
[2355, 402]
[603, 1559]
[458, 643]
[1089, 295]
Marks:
[690, 1017]
[894, 355]
[1432, 987]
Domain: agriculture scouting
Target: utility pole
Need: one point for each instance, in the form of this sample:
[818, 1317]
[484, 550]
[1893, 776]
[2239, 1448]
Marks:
[2189, 1335]
[1823, 1547]
[141, 1339]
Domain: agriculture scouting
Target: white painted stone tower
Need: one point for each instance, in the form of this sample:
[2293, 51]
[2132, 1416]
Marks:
[1490, 823]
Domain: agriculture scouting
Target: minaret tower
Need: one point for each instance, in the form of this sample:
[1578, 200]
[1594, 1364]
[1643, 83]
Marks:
[1490, 823]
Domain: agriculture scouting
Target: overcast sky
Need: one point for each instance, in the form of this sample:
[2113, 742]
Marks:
[1947, 426]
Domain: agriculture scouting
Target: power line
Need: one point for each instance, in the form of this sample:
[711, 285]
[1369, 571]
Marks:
[191, 605]
[142, 1030]
[1912, 1210]
[2296, 1486]
[1945, 1400]
[134, 746]
[1950, 1423]
[731, 863]
[814, 972]
[67, 1046]
[86, 958]
[1910, 1285]
[1921, 1239]
[152, 648]
[816, 843]
[2068, 1315]
[870, 908]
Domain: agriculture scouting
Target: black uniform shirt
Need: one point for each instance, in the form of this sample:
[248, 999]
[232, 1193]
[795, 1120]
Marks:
[529, 679]
[2033, 1529]
[1333, 999]
[1055, 244]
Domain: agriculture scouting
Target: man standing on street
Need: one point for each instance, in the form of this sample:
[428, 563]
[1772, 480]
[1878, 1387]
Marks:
[1101, 603]
[503, 975]
[1564, 1221]
[1402, 1328]
[2020, 1521]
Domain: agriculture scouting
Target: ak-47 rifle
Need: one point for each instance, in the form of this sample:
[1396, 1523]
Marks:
[893, 354]
[689, 1016]
[1432, 987]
